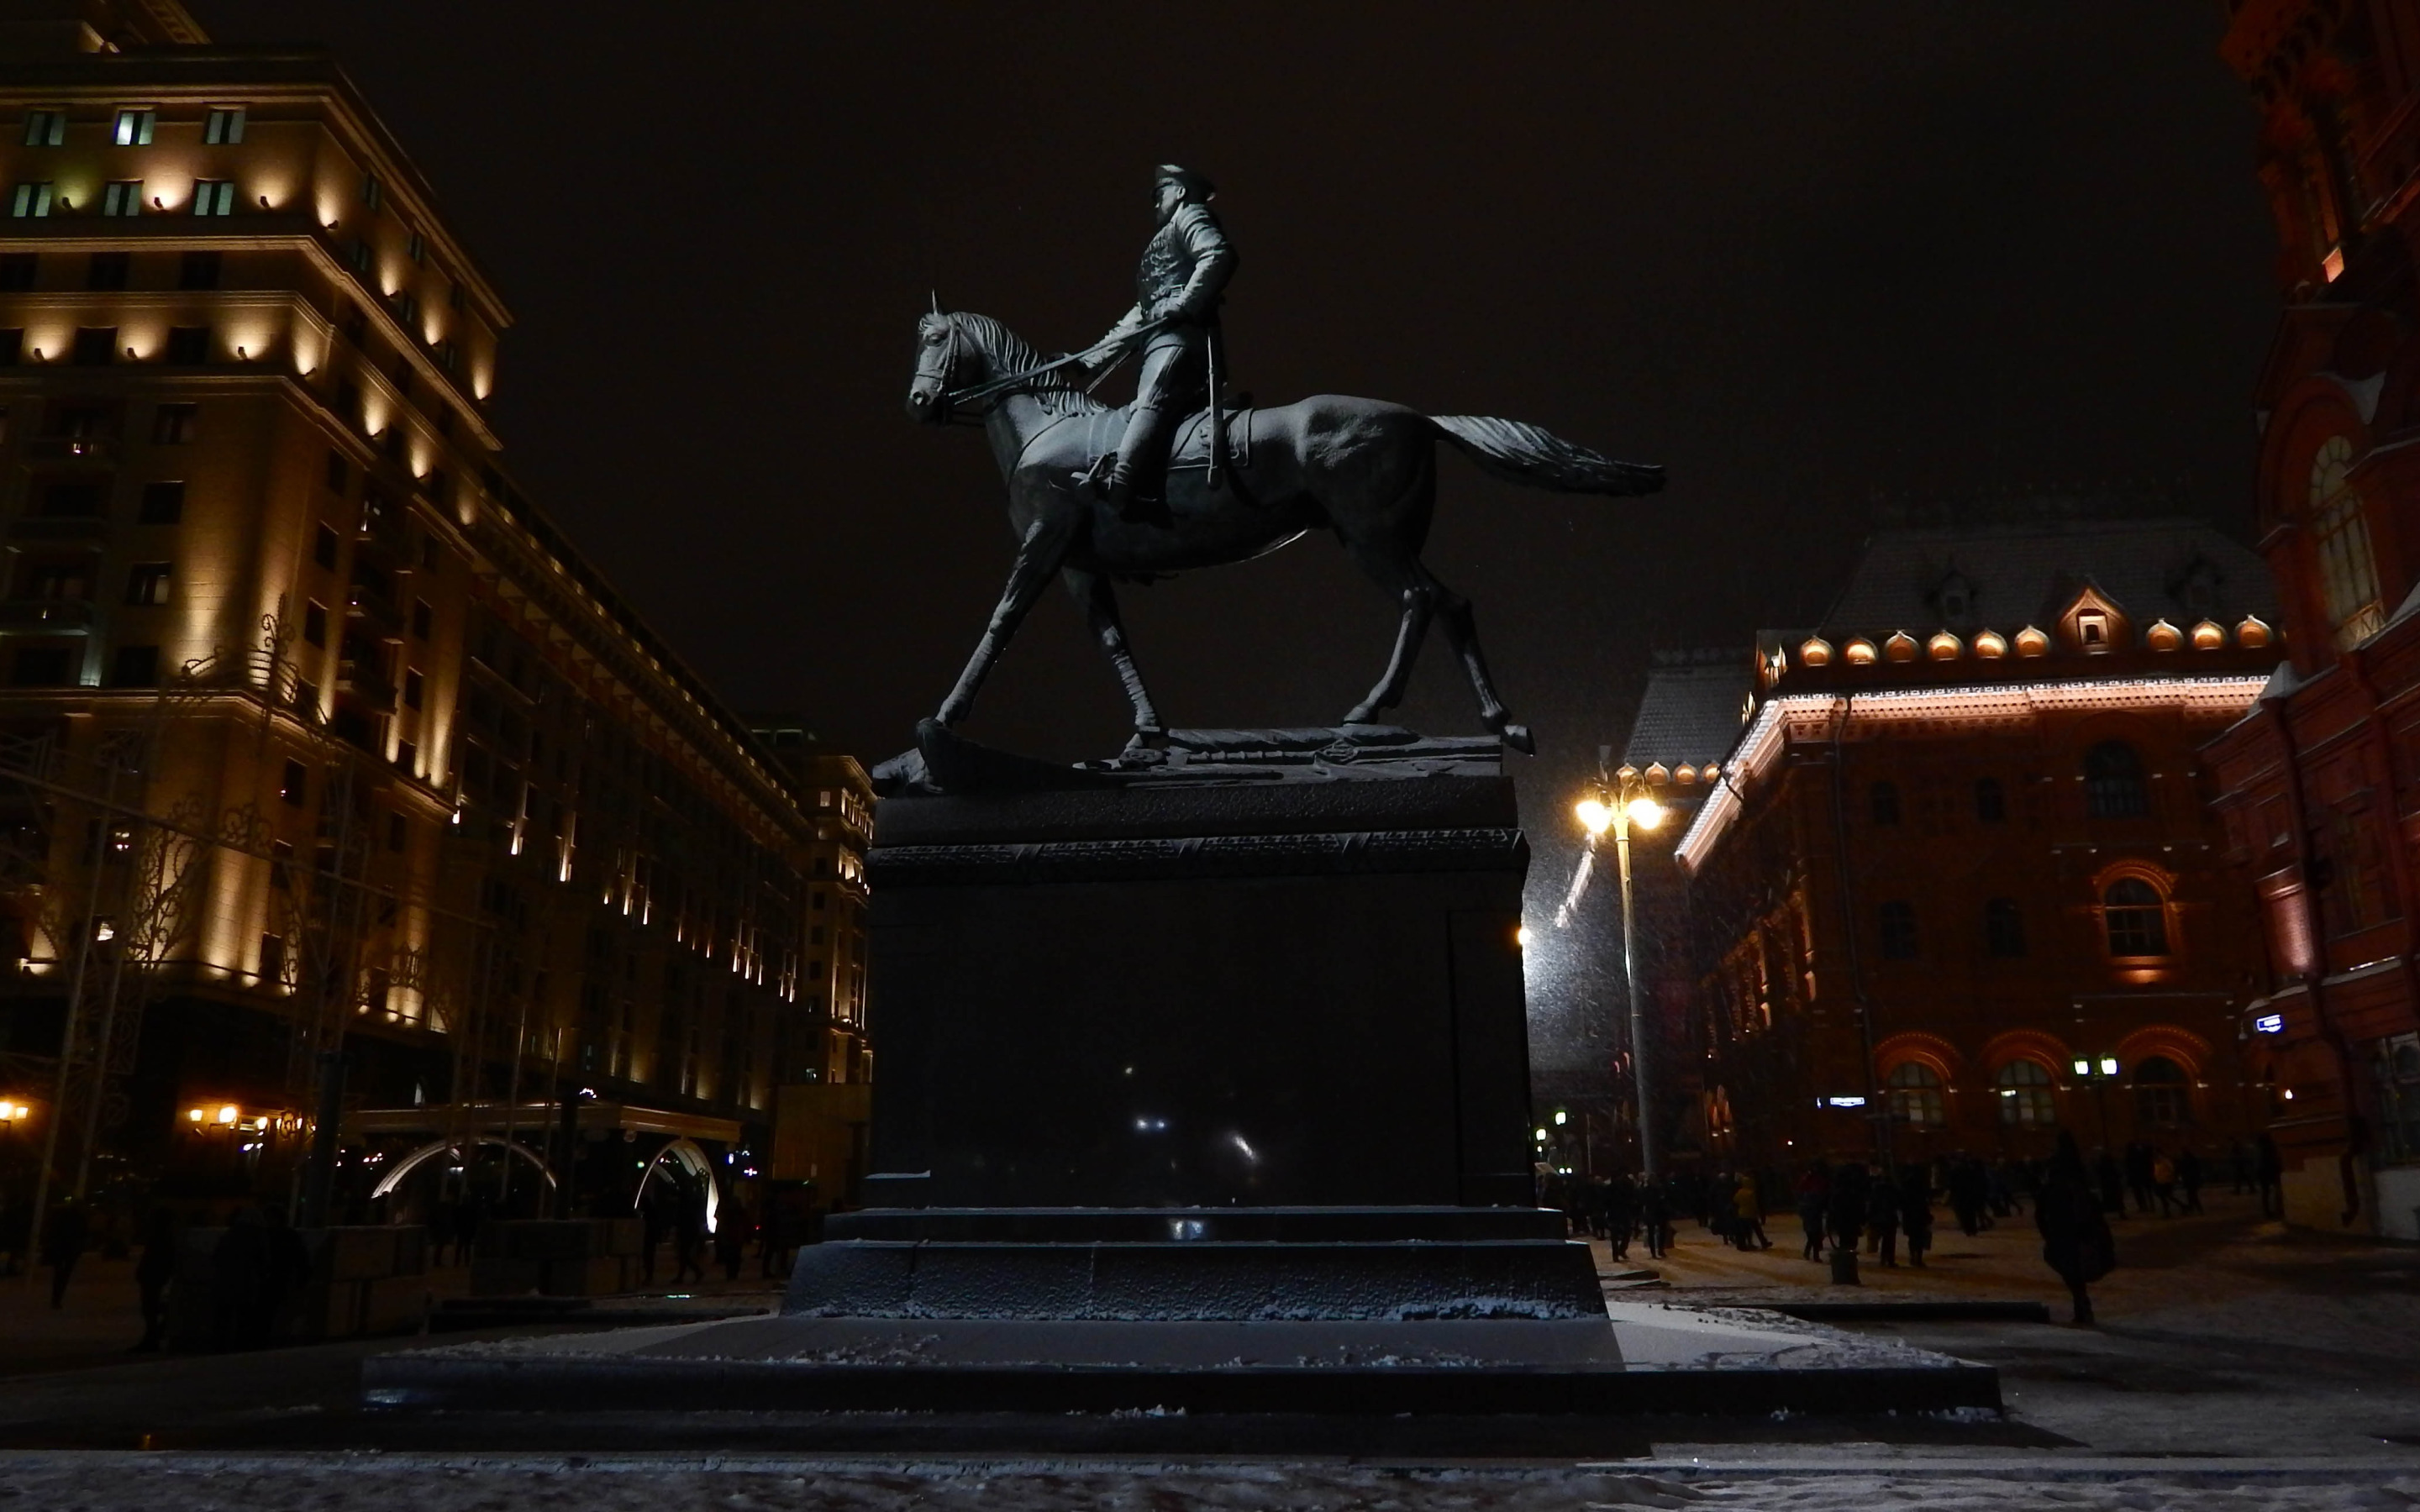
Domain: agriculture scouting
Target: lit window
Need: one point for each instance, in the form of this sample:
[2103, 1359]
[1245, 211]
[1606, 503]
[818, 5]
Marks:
[1915, 1095]
[213, 196]
[134, 129]
[223, 128]
[147, 583]
[2024, 1095]
[2135, 919]
[124, 198]
[46, 127]
[2092, 630]
[2113, 783]
[31, 201]
[2340, 538]
[2163, 1093]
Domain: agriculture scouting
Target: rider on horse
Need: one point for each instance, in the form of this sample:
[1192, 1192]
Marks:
[1184, 269]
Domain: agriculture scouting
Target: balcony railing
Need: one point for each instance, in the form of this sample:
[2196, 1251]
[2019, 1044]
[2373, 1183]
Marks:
[48, 614]
[98, 449]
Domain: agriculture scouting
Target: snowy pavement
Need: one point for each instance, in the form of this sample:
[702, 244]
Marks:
[2239, 1367]
[123, 1483]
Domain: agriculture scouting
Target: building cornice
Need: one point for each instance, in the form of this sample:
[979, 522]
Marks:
[1800, 715]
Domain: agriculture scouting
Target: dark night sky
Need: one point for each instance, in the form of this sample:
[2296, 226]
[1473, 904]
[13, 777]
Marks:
[1798, 254]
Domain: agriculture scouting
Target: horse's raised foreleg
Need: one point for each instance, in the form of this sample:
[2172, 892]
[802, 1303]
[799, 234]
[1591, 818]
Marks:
[1037, 556]
[1100, 602]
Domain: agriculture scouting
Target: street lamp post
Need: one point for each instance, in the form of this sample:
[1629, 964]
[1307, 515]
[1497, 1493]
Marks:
[1631, 805]
[2098, 1074]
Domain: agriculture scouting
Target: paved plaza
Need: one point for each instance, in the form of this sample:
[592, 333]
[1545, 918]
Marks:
[2237, 1365]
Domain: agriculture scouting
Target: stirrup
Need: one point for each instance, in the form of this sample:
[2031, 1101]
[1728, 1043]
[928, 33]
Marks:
[1095, 476]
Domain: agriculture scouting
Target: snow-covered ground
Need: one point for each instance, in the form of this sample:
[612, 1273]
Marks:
[118, 1483]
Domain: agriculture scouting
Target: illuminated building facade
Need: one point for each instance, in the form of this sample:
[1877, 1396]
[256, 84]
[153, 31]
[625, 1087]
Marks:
[1962, 843]
[321, 745]
[2317, 792]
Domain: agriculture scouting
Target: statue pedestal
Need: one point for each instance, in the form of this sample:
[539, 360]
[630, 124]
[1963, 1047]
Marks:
[1285, 994]
[1203, 1047]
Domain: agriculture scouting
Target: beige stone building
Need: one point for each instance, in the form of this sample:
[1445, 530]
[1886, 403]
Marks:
[320, 743]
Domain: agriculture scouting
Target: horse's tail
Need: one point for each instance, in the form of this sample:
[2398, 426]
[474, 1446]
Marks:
[1529, 454]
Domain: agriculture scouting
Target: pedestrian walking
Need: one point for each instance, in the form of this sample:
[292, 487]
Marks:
[1621, 1215]
[63, 1244]
[1881, 1218]
[2112, 1182]
[238, 1265]
[1967, 1189]
[1847, 1213]
[1915, 1212]
[689, 1237]
[1747, 1205]
[153, 1274]
[1814, 1193]
[2238, 1168]
[440, 1233]
[2076, 1241]
[2138, 1176]
[732, 1227]
[1655, 1217]
[2268, 1169]
[2189, 1176]
[2163, 1183]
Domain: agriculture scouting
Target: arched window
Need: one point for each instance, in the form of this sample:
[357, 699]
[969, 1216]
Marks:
[2004, 928]
[2341, 539]
[1915, 1095]
[2024, 1095]
[1884, 799]
[1897, 918]
[2136, 919]
[2113, 783]
[2163, 1093]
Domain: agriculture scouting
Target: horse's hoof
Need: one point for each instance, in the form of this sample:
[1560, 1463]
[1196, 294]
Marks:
[1517, 736]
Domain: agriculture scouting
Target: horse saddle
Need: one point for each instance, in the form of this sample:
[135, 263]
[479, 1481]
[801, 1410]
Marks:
[1191, 447]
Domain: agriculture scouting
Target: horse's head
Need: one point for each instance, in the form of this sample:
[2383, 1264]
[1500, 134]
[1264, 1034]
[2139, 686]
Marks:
[943, 359]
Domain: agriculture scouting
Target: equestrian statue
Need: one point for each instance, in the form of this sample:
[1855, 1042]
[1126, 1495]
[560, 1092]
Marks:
[1174, 481]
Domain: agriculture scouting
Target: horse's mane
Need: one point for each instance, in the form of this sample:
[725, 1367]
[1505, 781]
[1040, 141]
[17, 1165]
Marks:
[1012, 353]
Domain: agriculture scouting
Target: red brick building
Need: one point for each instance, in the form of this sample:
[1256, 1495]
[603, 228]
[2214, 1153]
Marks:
[2318, 794]
[1963, 841]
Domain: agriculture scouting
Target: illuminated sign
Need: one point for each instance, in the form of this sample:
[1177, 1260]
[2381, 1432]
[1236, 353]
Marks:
[2269, 1023]
[1840, 1102]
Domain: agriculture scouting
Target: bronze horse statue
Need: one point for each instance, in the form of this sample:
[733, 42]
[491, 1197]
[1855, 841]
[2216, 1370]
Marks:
[1362, 467]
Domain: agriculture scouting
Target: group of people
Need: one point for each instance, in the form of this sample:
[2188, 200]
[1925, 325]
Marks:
[1620, 1210]
[1869, 1208]
[1856, 1199]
